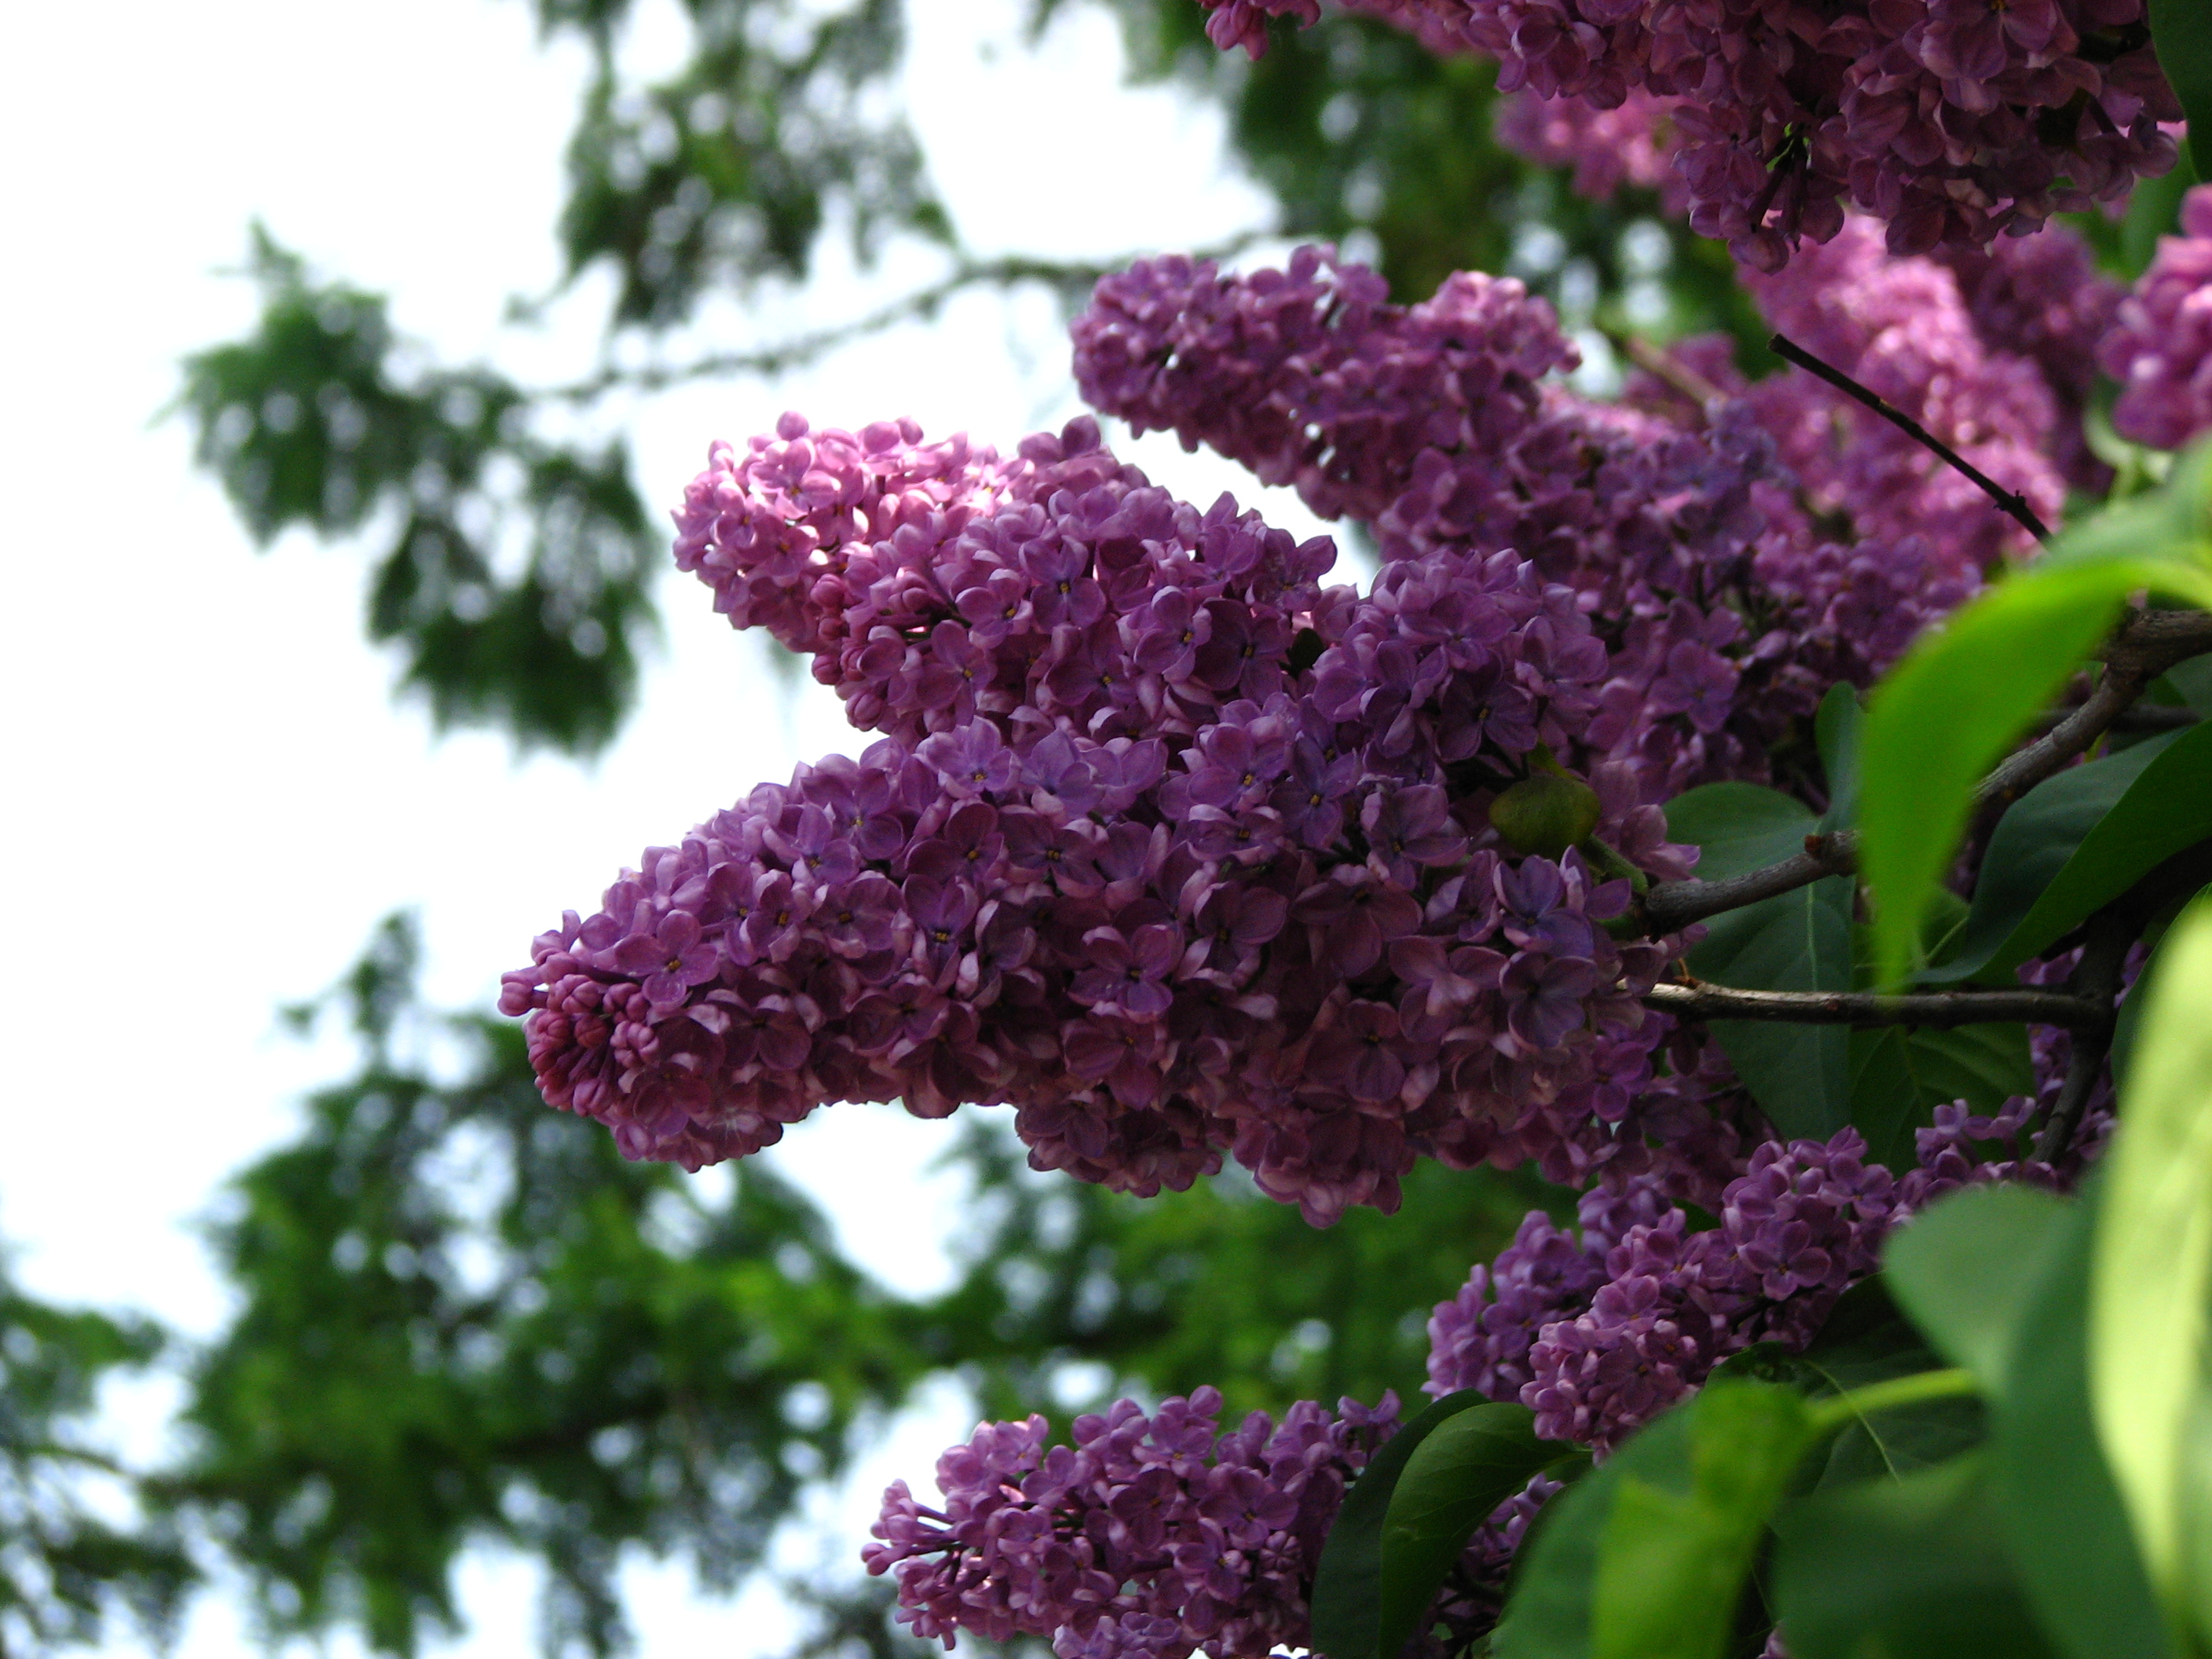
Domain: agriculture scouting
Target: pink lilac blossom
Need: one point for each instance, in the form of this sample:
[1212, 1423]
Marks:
[1599, 1336]
[1149, 1537]
[1952, 123]
[1730, 607]
[2160, 351]
[1277, 925]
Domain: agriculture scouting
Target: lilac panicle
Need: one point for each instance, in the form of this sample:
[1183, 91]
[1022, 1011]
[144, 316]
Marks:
[2161, 351]
[1125, 869]
[1149, 1537]
[1950, 123]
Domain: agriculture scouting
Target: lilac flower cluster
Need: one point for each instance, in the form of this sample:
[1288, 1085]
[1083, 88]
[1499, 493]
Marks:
[1279, 923]
[1951, 123]
[2161, 351]
[1149, 1538]
[1599, 1335]
[1731, 608]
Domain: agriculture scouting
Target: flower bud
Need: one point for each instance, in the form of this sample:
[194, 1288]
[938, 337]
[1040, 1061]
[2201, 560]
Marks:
[1545, 814]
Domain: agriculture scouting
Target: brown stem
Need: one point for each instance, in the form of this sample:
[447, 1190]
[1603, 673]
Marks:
[2014, 505]
[1671, 906]
[2143, 646]
[1935, 1008]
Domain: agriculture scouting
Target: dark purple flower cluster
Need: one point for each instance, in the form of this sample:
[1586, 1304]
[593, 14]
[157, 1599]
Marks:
[1148, 1538]
[1309, 377]
[1279, 924]
[1599, 1335]
[1951, 122]
[1729, 604]
[2161, 351]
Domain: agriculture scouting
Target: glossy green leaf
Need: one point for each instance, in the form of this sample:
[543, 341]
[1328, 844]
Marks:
[1964, 1270]
[2154, 210]
[1465, 1467]
[1835, 728]
[1796, 941]
[2181, 33]
[2078, 841]
[1868, 1340]
[1899, 1075]
[1647, 1557]
[1347, 1593]
[1966, 692]
[2153, 1269]
[1676, 1553]
[2128, 1025]
[2065, 1527]
[1913, 1568]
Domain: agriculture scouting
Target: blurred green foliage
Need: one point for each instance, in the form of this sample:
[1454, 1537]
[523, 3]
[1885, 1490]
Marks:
[71, 1554]
[465, 1320]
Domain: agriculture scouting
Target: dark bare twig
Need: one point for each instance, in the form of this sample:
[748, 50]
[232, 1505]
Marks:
[805, 348]
[1673, 905]
[1935, 1008]
[2012, 504]
[2142, 648]
[2096, 980]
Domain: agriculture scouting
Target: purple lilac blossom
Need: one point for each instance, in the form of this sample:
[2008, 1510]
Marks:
[1209, 907]
[2161, 351]
[1951, 123]
[1732, 606]
[1149, 1537]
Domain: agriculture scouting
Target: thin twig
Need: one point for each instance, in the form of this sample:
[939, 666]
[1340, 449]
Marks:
[2141, 649]
[2013, 504]
[2096, 980]
[1670, 906]
[805, 348]
[1935, 1008]
[1670, 371]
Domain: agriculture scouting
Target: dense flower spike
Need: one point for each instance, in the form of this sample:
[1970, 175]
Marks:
[1149, 1538]
[1951, 123]
[1598, 1336]
[2161, 350]
[1678, 522]
[1173, 850]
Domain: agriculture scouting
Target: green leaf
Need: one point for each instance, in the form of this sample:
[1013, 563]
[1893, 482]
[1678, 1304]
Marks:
[1675, 1555]
[2076, 841]
[2181, 33]
[1965, 1269]
[1966, 693]
[1867, 1340]
[1900, 1075]
[2127, 1027]
[1906, 1569]
[2154, 1249]
[1466, 1467]
[1796, 941]
[1836, 729]
[2154, 210]
[1347, 1594]
[1647, 1557]
[2065, 1526]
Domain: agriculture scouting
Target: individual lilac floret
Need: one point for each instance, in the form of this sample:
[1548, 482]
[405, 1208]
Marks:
[2161, 350]
[1952, 123]
[1147, 1538]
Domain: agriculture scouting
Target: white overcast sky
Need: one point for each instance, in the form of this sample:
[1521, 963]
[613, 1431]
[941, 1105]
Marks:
[211, 796]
